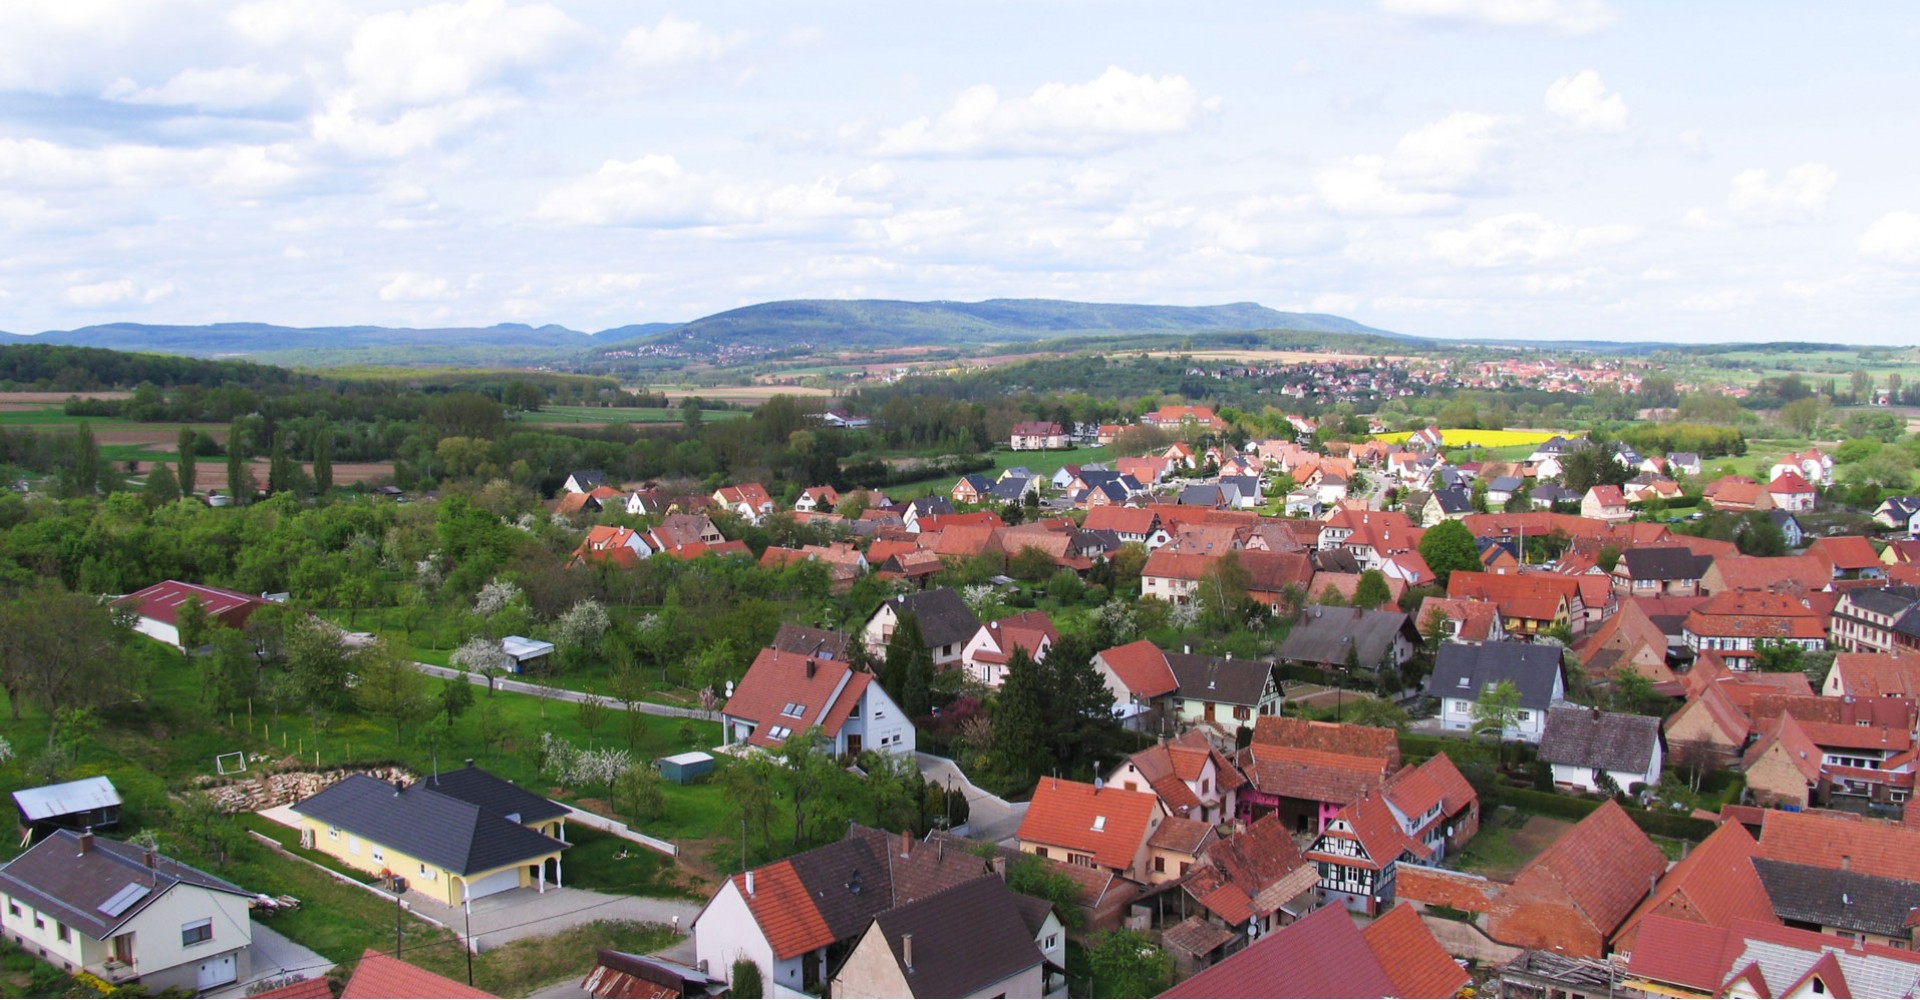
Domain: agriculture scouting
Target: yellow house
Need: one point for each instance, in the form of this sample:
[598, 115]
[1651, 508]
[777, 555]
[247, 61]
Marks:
[454, 837]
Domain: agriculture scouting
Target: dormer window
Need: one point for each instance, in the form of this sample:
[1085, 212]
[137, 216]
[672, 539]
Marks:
[1099, 824]
[794, 710]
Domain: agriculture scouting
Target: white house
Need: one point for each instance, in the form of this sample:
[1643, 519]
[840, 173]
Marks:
[88, 904]
[787, 693]
[1585, 744]
[1463, 673]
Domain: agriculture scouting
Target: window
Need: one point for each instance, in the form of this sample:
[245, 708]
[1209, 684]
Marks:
[1040, 851]
[333, 833]
[39, 922]
[1053, 941]
[1185, 866]
[1159, 863]
[60, 931]
[1242, 712]
[425, 872]
[13, 908]
[379, 854]
[195, 933]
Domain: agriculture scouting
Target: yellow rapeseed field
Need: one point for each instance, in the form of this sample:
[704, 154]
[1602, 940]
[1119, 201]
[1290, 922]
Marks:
[1462, 437]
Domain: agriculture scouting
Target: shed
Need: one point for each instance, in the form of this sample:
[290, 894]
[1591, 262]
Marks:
[71, 805]
[685, 768]
[525, 652]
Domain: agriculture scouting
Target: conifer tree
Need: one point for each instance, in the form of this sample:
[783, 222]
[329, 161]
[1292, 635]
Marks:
[187, 461]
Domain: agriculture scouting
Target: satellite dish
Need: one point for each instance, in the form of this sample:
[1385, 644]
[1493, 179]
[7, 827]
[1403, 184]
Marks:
[729, 689]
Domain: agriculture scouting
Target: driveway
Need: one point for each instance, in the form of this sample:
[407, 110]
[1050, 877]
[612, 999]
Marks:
[989, 817]
[275, 957]
[521, 913]
[558, 694]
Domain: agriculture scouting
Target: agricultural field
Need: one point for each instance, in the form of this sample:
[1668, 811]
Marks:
[1465, 437]
[600, 416]
[123, 441]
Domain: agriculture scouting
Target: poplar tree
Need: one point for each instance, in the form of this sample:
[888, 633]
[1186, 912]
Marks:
[323, 461]
[239, 477]
[187, 461]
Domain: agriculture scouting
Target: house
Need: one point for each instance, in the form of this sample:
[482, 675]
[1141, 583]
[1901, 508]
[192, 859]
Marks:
[1174, 418]
[787, 693]
[843, 420]
[817, 498]
[1853, 556]
[1629, 642]
[1193, 780]
[1306, 771]
[583, 481]
[1874, 675]
[1751, 958]
[1812, 465]
[1092, 826]
[1782, 767]
[1672, 570]
[1130, 524]
[1140, 682]
[1572, 897]
[1346, 638]
[797, 918]
[1501, 489]
[456, 837]
[1736, 624]
[1591, 750]
[156, 609]
[1900, 513]
[1790, 528]
[945, 623]
[749, 500]
[1463, 673]
[1791, 491]
[1037, 435]
[1446, 505]
[1015, 490]
[1683, 462]
[1796, 575]
[975, 939]
[1605, 503]
[1325, 954]
[86, 804]
[1714, 884]
[971, 489]
[1865, 746]
[388, 978]
[1848, 905]
[616, 546]
[1359, 853]
[1877, 620]
[985, 655]
[593, 501]
[1242, 888]
[1738, 494]
[125, 914]
[676, 531]
[1529, 603]
[1462, 620]
[1222, 693]
[619, 975]
[1546, 495]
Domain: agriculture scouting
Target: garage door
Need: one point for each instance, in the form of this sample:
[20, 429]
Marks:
[216, 972]
[497, 882]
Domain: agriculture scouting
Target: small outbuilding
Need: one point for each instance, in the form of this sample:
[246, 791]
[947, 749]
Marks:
[71, 805]
[686, 768]
[526, 654]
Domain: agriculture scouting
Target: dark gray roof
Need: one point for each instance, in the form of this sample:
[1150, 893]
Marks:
[850, 880]
[1830, 897]
[1467, 671]
[812, 642]
[1415, 500]
[1552, 493]
[588, 477]
[930, 506]
[979, 483]
[1675, 563]
[1217, 679]
[1202, 495]
[1683, 458]
[1884, 600]
[1454, 501]
[495, 794]
[1902, 507]
[964, 939]
[1099, 540]
[1336, 561]
[1324, 635]
[1611, 741]
[1908, 624]
[1249, 486]
[1781, 517]
[1010, 489]
[1505, 484]
[57, 879]
[944, 617]
[445, 831]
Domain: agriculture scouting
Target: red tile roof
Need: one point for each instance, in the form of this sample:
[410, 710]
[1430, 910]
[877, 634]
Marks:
[161, 602]
[1596, 874]
[1320, 955]
[1142, 667]
[1127, 520]
[315, 988]
[1109, 824]
[380, 976]
[1869, 675]
[1409, 955]
[785, 910]
[821, 693]
[1756, 615]
[1842, 841]
[1846, 552]
[1790, 483]
[1713, 884]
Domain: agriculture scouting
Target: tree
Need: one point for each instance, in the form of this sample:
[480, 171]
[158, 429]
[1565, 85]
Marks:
[812, 780]
[239, 477]
[1804, 416]
[1223, 594]
[1633, 692]
[184, 448]
[1594, 465]
[1777, 656]
[746, 975]
[482, 656]
[1127, 964]
[1030, 876]
[1448, 547]
[1019, 719]
[456, 696]
[1377, 712]
[629, 685]
[62, 651]
[161, 488]
[1372, 590]
[323, 459]
[279, 466]
[1031, 564]
[82, 478]
[749, 784]
[232, 673]
[388, 687]
[1434, 631]
[907, 672]
[1496, 711]
[592, 713]
[192, 625]
[1759, 536]
[642, 790]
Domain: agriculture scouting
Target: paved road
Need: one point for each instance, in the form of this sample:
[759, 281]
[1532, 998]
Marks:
[554, 693]
[523, 913]
[990, 817]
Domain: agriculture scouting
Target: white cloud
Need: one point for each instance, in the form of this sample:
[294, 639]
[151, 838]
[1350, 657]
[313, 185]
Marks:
[1894, 238]
[676, 41]
[1692, 142]
[229, 88]
[656, 191]
[1800, 194]
[448, 50]
[1424, 175]
[1519, 238]
[113, 293]
[1718, 301]
[408, 286]
[1700, 218]
[1356, 187]
[343, 124]
[1112, 109]
[43, 164]
[1583, 102]
[1577, 17]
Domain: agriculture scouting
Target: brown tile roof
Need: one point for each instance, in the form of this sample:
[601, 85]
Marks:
[1714, 884]
[1774, 573]
[1330, 737]
[1476, 618]
[1841, 841]
[1846, 552]
[1409, 955]
[1127, 520]
[315, 988]
[1599, 870]
[1313, 775]
[1142, 667]
[1756, 615]
[1251, 873]
[1869, 675]
[1439, 887]
[1168, 564]
[1109, 824]
[381, 976]
[1184, 836]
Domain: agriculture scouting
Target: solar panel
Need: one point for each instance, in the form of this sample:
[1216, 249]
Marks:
[117, 904]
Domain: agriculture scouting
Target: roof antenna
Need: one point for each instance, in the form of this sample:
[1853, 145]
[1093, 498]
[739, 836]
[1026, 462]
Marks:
[436, 768]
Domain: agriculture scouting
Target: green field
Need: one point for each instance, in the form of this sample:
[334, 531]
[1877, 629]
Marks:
[621, 415]
[1043, 463]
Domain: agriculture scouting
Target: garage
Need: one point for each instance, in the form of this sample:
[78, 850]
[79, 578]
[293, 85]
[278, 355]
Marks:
[215, 972]
[497, 882]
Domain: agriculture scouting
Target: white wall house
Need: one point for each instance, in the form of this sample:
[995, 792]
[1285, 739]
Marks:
[1583, 744]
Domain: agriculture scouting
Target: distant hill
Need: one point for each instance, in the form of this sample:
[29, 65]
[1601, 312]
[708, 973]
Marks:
[215, 339]
[826, 324]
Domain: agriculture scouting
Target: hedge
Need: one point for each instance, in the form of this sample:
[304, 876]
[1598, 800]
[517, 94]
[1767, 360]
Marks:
[1663, 823]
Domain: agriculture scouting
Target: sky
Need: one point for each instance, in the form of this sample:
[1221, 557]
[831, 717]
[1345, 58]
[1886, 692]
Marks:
[1536, 170]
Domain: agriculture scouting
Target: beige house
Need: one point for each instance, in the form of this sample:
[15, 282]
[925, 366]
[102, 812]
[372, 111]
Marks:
[454, 837]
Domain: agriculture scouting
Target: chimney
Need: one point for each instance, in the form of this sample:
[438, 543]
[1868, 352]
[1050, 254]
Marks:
[1846, 862]
[86, 840]
[906, 950]
[469, 761]
[811, 667]
[749, 883]
[398, 787]
[999, 866]
[906, 843]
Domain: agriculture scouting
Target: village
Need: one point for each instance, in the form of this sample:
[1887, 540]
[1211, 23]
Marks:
[1459, 722]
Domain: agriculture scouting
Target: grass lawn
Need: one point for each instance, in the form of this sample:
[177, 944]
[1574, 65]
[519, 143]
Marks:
[1043, 463]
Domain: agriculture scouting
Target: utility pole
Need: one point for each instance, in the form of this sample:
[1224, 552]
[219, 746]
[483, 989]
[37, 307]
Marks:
[469, 909]
[399, 912]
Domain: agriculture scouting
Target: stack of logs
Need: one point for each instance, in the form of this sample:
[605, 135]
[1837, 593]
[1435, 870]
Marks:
[279, 788]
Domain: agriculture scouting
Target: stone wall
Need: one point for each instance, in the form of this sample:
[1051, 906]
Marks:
[238, 794]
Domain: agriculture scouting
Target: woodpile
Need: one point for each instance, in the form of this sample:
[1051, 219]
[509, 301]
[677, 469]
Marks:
[279, 788]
